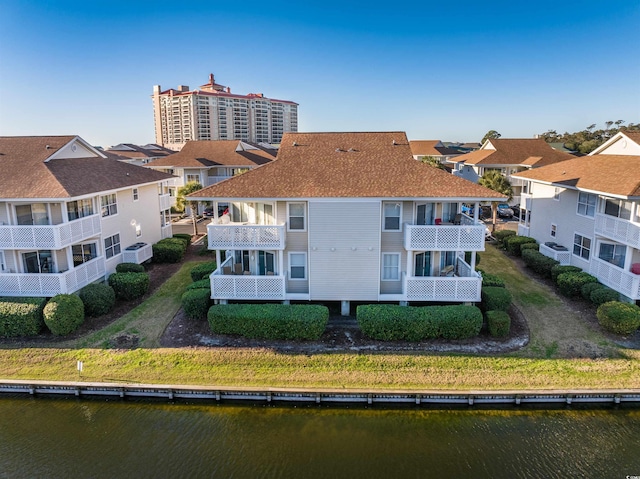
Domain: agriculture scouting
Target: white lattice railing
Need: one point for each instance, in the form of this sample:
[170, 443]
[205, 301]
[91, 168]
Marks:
[165, 202]
[445, 237]
[166, 231]
[432, 288]
[33, 284]
[523, 230]
[247, 287]
[49, 236]
[564, 257]
[616, 278]
[618, 229]
[137, 256]
[235, 236]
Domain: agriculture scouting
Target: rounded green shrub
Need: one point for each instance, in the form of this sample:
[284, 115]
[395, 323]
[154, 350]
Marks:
[129, 268]
[491, 280]
[495, 298]
[588, 288]
[184, 237]
[618, 317]
[513, 243]
[570, 284]
[196, 302]
[63, 314]
[169, 250]
[499, 323]
[203, 270]
[502, 234]
[129, 286]
[559, 269]
[538, 262]
[21, 316]
[202, 284]
[530, 246]
[98, 299]
[604, 295]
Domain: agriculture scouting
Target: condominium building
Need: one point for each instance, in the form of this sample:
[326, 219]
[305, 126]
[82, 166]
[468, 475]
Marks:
[212, 112]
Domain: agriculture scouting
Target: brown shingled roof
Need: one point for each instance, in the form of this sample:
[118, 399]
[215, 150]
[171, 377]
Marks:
[632, 134]
[27, 175]
[611, 174]
[205, 153]
[510, 151]
[345, 165]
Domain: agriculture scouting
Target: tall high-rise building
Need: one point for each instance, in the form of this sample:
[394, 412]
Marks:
[214, 113]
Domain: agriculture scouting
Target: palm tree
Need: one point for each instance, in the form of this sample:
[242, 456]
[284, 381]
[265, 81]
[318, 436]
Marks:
[494, 180]
[182, 201]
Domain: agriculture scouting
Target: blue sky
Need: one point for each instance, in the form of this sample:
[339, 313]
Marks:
[445, 70]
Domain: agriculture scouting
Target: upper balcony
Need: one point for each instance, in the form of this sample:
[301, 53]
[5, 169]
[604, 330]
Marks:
[51, 284]
[235, 236]
[469, 235]
[49, 236]
[165, 202]
[617, 229]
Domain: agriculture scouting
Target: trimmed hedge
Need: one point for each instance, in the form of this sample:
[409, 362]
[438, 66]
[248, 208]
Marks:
[513, 243]
[269, 321]
[570, 284]
[169, 250]
[203, 270]
[196, 302]
[21, 316]
[538, 262]
[589, 288]
[603, 295]
[489, 279]
[202, 284]
[499, 323]
[63, 314]
[129, 268]
[98, 299]
[502, 234]
[390, 322]
[129, 286]
[467, 258]
[183, 236]
[559, 269]
[531, 246]
[495, 298]
[618, 317]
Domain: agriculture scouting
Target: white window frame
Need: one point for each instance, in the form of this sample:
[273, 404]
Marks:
[580, 246]
[554, 230]
[111, 208]
[303, 254]
[136, 194]
[384, 216]
[390, 268]
[113, 246]
[585, 204]
[304, 216]
[192, 175]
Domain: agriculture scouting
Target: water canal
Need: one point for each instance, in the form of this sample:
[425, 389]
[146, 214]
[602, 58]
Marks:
[63, 438]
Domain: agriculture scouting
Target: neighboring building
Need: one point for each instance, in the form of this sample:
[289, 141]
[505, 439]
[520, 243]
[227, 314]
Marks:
[586, 212]
[208, 162]
[214, 113]
[137, 155]
[346, 217]
[509, 156]
[69, 215]
[422, 149]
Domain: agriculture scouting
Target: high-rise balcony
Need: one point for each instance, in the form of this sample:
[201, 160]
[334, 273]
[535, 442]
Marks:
[49, 236]
[233, 236]
[618, 229]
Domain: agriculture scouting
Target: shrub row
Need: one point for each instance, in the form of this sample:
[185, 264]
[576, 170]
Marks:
[129, 268]
[489, 279]
[184, 237]
[570, 284]
[21, 316]
[204, 283]
[499, 323]
[203, 270]
[538, 262]
[169, 250]
[98, 299]
[64, 313]
[501, 235]
[495, 298]
[531, 246]
[559, 269]
[618, 317]
[389, 322]
[196, 302]
[269, 321]
[129, 286]
[513, 243]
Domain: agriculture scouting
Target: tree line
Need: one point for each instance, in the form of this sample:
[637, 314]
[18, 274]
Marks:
[590, 138]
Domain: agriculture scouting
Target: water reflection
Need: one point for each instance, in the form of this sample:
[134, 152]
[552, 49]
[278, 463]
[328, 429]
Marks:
[71, 438]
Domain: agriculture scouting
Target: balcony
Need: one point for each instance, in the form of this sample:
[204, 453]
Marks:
[48, 285]
[468, 236]
[616, 278]
[557, 252]
[463, 287]
[235, 236]
[618, 229]
[49, 236]
[212, 180]
[245, 286]
[165, 202]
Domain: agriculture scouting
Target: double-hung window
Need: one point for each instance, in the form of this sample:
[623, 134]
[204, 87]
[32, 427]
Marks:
[298, 266]
[391, 216]
[390, 266]
[109, 205]
[296, 216]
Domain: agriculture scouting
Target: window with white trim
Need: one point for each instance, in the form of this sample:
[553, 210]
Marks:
[136, 196]
[391, 216]
[193, 178]
[298, 266]
[79, 209]
[554, 230]
[587, 204]
[112, 245]
[296, 214]
[109, 205]
[390, 266]
[581, 246]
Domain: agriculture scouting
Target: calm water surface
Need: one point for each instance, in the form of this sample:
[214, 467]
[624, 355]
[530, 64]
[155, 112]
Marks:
[53, 438]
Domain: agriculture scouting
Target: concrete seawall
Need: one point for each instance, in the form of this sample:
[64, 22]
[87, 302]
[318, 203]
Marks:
[321, 396]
